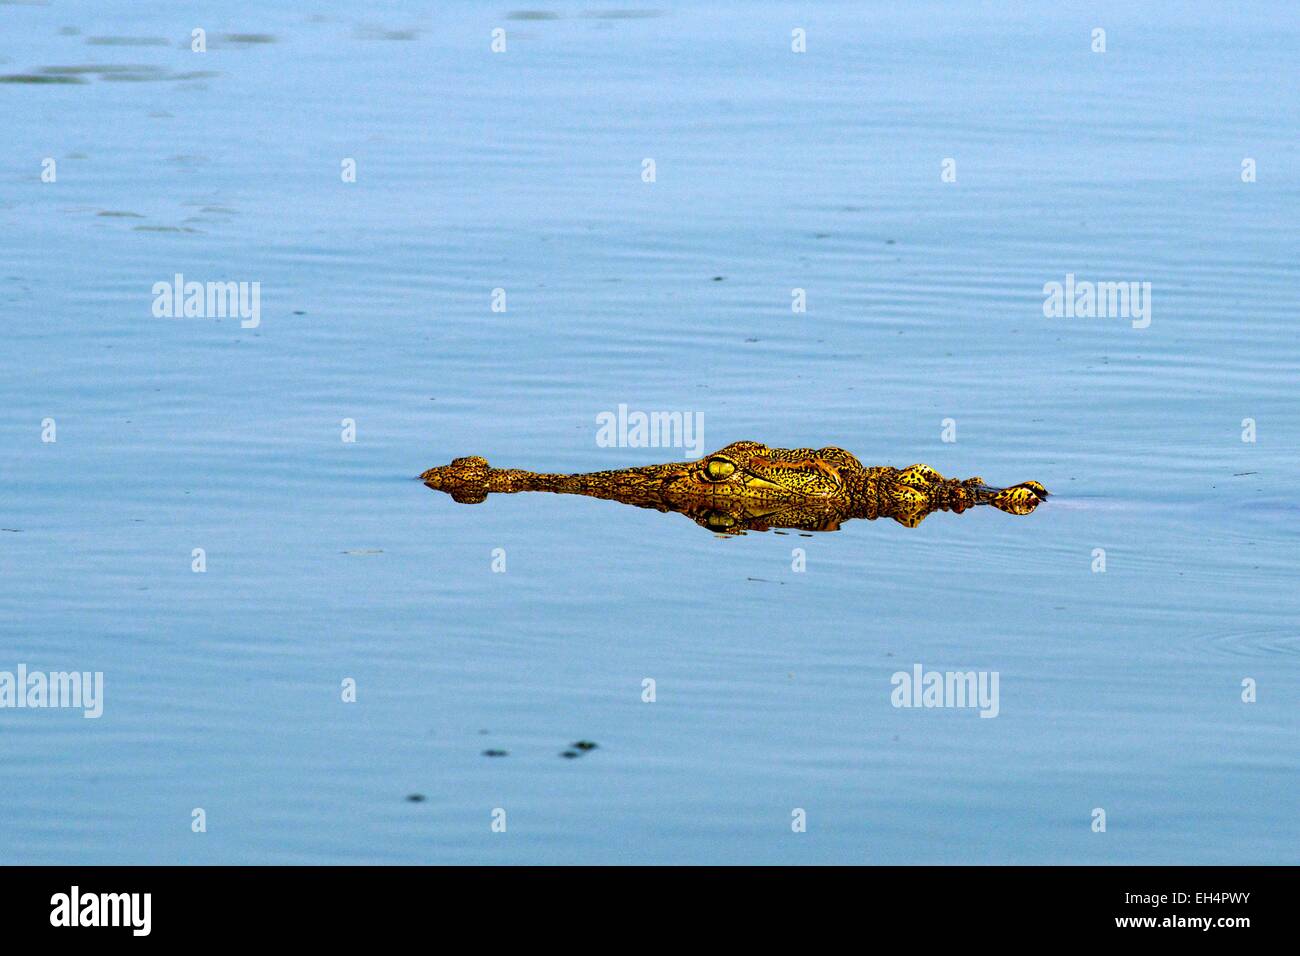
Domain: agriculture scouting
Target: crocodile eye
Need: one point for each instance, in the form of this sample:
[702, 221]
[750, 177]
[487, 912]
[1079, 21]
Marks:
[718, 468]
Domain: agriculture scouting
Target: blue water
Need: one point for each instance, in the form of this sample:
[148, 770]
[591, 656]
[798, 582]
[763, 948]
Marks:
[522, 170]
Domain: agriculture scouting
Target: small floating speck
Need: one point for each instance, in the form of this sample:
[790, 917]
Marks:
[496, 753]
[415, 798]
[364, 551]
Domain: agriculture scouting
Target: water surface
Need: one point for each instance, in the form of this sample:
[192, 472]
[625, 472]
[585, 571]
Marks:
[522, 171]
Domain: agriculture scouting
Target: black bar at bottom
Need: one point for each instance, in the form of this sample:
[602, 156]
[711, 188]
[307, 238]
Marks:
[334, 905]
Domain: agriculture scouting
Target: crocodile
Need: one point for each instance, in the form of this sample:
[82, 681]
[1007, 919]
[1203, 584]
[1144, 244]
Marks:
[748, 486]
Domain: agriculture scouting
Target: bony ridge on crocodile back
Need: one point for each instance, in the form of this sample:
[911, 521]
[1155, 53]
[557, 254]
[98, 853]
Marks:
[748, 486]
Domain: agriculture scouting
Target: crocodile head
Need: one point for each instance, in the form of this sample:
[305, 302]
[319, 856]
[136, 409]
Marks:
[743, 471]
[751, 471]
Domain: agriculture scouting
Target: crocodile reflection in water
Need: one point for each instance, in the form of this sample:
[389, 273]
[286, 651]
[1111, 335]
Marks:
[748, 486]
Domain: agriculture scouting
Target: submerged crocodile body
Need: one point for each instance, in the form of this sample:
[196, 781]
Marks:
[748, 486]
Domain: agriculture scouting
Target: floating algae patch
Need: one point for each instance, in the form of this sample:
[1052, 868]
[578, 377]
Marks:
[152, 76]
[248, 38]
[125, 72]
[380, 33]
[126, 41]
[118, 214]
[40, 79]
[82, 69]
[621, 14]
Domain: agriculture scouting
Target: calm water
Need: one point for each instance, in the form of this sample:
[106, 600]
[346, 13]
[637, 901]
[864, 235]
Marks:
[522, 171]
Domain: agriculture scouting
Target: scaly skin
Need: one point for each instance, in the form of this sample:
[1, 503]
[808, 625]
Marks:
[749, 486]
